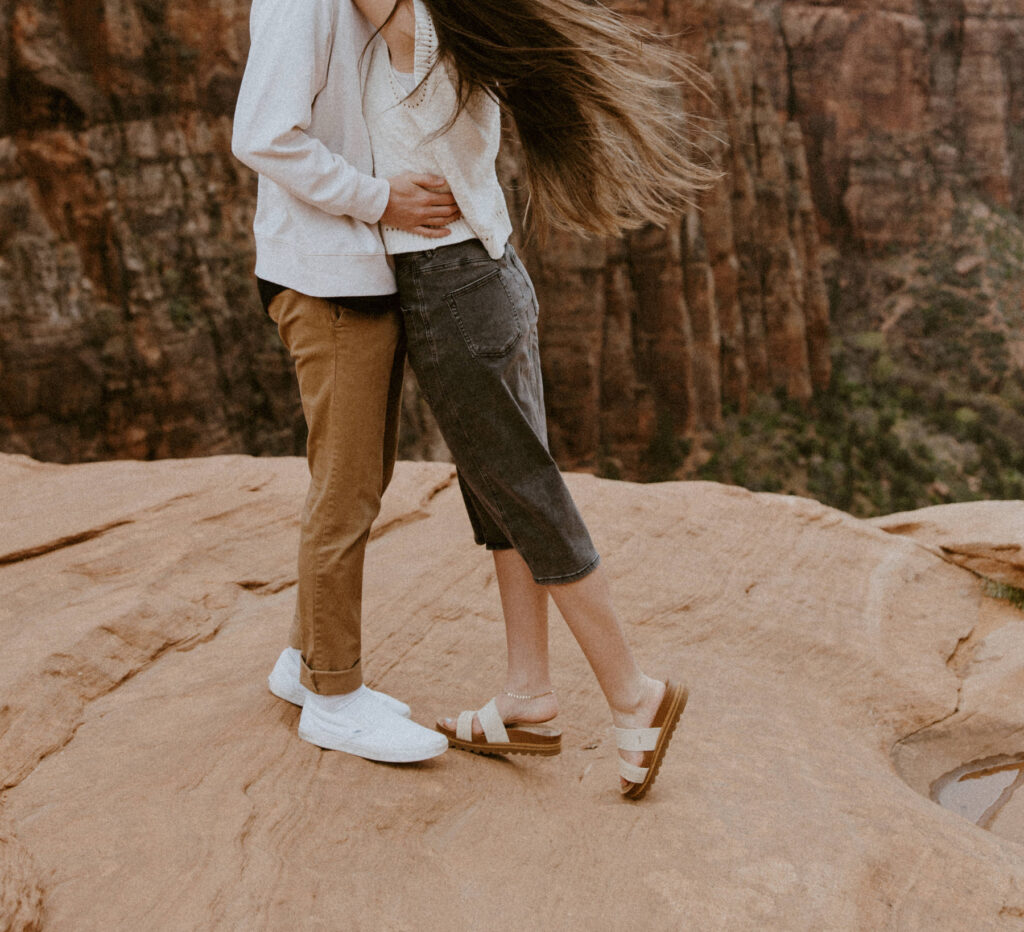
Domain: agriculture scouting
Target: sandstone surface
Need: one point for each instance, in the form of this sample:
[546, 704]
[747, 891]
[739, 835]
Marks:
[151, 781]
[985, 537]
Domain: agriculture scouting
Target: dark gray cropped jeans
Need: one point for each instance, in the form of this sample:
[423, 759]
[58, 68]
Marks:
[471, 331]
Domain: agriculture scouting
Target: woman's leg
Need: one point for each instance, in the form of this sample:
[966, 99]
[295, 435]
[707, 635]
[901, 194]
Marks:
[632, 696]
[472, 329]
[525, 606]
[471, 324]
[587, 608]
[586, 605]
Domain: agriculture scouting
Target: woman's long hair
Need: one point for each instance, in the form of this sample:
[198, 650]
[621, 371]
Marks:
[597, 104]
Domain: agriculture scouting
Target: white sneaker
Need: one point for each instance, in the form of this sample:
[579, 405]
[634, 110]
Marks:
[284, 683]
[359, 724]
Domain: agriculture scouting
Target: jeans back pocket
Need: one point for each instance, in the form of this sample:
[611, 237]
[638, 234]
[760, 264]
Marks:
[488, 318]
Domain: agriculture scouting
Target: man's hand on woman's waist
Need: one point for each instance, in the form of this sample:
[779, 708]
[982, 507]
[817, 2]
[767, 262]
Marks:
[420, 204]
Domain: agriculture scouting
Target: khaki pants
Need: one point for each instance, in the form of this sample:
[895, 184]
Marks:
[349, 366]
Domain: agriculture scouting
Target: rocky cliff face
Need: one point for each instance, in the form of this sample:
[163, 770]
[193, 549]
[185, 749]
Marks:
[905, 108]
[129, 318]
[131, 326]
[649, 337]
[911, 114]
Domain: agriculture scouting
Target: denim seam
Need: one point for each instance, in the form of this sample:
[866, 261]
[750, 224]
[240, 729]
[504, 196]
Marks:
[517, 266]
[433, 352]
[461, 263]
[568, 577]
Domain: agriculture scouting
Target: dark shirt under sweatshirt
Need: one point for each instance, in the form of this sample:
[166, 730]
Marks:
[363, 304]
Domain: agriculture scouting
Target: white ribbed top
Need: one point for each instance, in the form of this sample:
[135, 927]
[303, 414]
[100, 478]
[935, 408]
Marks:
[397, 143]
[406, 78]
[401, 125]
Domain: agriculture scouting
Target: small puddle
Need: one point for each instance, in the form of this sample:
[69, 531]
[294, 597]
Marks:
[979, 790]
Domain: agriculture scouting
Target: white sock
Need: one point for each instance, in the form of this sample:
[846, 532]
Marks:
[338, 702]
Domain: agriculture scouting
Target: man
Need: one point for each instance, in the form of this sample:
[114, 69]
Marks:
[326, 282]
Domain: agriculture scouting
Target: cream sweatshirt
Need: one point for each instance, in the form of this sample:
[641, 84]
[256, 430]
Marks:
[299, 124]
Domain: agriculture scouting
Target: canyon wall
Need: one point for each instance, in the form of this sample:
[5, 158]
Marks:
[907, 107]
[130, 323]
[649, 337]
[131, 327]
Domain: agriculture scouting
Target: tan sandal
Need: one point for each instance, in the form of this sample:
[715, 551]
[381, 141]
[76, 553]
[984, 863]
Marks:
[499, 738]
[653, 741]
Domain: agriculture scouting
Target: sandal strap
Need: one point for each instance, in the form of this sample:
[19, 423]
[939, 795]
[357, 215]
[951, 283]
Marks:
[494, 727]
[490, 719]
[637, 739]
[464, 726]
[631, 772]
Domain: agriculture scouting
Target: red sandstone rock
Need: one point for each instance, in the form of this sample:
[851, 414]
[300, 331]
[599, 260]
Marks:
[152, 782]
[131, 326]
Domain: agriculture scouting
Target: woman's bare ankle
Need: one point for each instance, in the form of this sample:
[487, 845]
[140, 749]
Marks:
[531, 703]
[526, 690]
[640, 712]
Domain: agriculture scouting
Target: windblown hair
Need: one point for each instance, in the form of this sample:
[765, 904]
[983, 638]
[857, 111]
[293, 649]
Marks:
[597, 104]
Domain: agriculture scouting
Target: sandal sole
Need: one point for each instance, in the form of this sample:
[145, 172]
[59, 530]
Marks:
[638, 790]
[491, 750]
[547, 746]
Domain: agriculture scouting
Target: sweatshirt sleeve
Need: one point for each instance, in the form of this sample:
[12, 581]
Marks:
[287, 67]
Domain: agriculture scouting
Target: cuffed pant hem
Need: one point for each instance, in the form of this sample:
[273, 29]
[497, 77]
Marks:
[571, 577]
[331, 682]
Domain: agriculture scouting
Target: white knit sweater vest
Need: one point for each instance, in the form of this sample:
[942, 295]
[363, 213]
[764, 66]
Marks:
[398, 146]
[401, 127]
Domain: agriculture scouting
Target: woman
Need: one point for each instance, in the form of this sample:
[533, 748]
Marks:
[602, 156]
